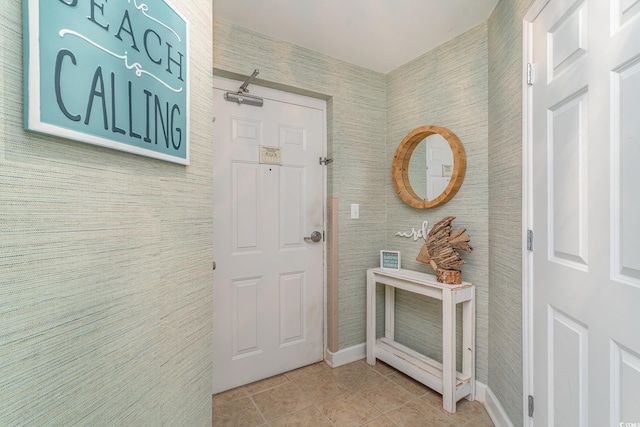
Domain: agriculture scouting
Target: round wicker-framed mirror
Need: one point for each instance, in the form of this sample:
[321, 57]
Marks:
[402, 158]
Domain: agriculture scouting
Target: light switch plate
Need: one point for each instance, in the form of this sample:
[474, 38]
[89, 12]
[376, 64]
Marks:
[355, 211]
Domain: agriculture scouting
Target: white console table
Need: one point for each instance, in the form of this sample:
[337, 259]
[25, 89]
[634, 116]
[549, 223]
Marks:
[441, 377]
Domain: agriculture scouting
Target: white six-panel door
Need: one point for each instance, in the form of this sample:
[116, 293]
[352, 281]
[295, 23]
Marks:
[268, 284]
[585, 206]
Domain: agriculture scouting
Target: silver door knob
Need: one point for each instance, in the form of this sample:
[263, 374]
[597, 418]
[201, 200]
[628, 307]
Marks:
[315, 237]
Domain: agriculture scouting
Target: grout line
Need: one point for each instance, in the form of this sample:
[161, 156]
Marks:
[323, 415]
[259, 411]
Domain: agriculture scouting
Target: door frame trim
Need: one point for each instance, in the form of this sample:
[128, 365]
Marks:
[527, 207]
[230, 84]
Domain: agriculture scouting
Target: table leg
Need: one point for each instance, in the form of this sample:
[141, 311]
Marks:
[448, 351]
[390, 312]
[468, 342]
[371, 317]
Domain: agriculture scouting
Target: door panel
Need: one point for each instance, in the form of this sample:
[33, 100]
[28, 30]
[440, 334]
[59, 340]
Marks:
[245, 316]
[625, 370]
[292, 290]
[246, 131]
[586, 212]
[246, 207]
[568, 375]
[567, 39]
[292, 207]
[568, 188]
[269, 281]
[626, 96]
[624, 11]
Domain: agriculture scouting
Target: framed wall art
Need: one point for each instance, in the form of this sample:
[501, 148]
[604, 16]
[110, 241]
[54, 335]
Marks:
[390, 260]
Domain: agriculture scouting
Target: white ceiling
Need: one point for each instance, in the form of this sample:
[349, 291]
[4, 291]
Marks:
[377, 34]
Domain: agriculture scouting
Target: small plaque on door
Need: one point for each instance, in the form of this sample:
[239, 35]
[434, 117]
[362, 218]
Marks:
[270, 155]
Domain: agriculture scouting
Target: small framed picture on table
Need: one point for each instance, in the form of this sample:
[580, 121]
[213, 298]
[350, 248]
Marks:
[390, 260]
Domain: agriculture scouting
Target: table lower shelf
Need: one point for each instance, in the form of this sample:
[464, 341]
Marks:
[418, 366]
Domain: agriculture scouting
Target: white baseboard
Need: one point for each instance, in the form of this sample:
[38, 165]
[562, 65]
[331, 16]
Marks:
[483, 393]
[494, 408]
[346, 355]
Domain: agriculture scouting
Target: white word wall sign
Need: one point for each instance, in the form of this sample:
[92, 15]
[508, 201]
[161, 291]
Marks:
[109, 72]
[416, 234]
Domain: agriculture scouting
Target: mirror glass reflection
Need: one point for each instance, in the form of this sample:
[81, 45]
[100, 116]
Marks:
[430, 167]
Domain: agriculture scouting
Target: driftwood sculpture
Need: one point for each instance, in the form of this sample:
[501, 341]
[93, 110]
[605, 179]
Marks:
[439, 250]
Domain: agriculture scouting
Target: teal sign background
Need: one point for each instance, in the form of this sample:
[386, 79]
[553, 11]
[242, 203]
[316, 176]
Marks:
[390, 260]
[109, 72]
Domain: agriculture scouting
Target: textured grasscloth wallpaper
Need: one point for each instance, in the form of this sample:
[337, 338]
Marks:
[446, 87]
[505, 205]
[356, 142]
[105, 265]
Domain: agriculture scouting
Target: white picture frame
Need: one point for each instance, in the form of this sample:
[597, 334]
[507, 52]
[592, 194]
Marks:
[390, 260]
[53, 94]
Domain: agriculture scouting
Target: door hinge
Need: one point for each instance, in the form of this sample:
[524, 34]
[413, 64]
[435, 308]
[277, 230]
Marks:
[529, 74]
[325, 161]
[531, 406]
[529, 240]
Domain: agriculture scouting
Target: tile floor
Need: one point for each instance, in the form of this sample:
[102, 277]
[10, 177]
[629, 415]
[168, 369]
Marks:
[351, 395]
